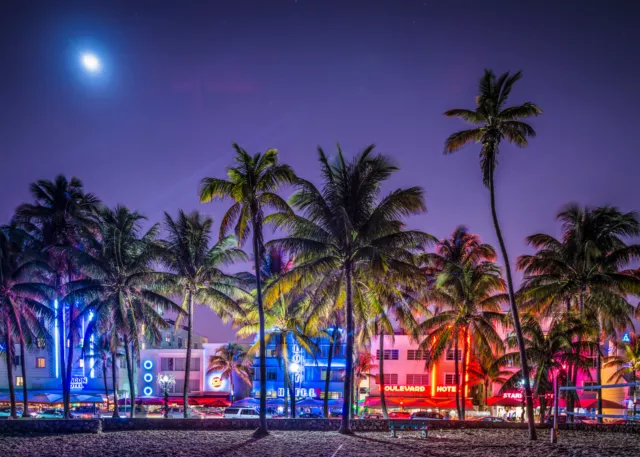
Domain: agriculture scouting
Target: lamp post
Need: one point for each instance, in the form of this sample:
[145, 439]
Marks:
[166, 381]
[294, 368]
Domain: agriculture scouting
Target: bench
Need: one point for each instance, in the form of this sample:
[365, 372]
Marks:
[397, 425]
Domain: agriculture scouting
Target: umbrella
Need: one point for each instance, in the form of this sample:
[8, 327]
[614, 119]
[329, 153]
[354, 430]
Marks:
[45, 398]
[451, 404]
[87, 398]
[593, 403]
[308, 402]
[501, 401]
[246, 402]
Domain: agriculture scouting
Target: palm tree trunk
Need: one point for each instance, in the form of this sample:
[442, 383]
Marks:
[104, 378]
[262, 429]
[457, 375]
[25, 401]
[599, 381]
[67, 398]
[635, 396]
[187, 364]
[357, 395]
[231, 385]
[61, 345]
[543, 408]
[514, 312]
[9, 355]
[291, 383]
[286, 392]
[114, 379]
[328, 373]
[129, 375]
[486, 394]
[345, 426]
[383, 400]
[463, 382]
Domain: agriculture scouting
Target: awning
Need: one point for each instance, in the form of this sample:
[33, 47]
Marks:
[401, 402]
[593, 403]
[451, 404]
[501, 401]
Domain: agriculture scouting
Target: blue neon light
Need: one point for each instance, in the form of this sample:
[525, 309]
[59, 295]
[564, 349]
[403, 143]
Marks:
[148, 364]
[147, 391]
[148, 377]
[57, 339]
[92, 372]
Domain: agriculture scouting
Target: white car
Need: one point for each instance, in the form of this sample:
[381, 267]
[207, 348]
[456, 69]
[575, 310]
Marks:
[52, 414]
[125, 411]
[241, 413]
[177, 412]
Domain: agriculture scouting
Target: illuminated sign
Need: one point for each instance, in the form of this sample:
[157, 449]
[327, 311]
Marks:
[148, 377]
[512, 395]
[216, 382]
[148, 364]
[446, 389]
[405, 389]
[147, 391]
[78, 382]
[311, 392]
[626, 338]
[298, 359]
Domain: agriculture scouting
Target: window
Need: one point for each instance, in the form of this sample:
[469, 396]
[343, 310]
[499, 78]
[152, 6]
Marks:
[451, 352]
[390, 378]
[450, 379]
[336, 375]
[19, 381]
[417, 354]
[16, 360]
[312, 373]
[123, 363]
[418, 379]
[180, 342]
[81, 363]
[332, 396]
[41, 343]
[194, 385]
[41, 362]
[167, 338]
[272, 375]
[166, 364]
[389, 354]
[195, 345]
[195, 364]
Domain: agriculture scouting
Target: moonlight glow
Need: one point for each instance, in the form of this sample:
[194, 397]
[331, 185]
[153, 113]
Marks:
[91, 62]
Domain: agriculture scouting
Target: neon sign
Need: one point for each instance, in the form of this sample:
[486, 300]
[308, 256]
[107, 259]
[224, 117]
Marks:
[148, 364]
[78, 382]
[405, 389]
[216, 382]
[147, 391]
[626, 338]
[298, 359]
[446, 389]
[512, 395]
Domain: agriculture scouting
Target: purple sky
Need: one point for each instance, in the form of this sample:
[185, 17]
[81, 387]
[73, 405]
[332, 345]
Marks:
[181, 83]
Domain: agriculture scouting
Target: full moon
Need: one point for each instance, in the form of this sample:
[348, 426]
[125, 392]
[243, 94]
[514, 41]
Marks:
[91, 62]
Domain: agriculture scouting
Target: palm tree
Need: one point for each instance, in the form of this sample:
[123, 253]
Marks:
[470, 297]
[585, 267]
[62, 215]
[23, 301]
[346, 228]
[488, 372]
[361, 371]
[195, 269]
[231, 359]
[626, 362]
[493, 121]
[121, 287]
[252, 184]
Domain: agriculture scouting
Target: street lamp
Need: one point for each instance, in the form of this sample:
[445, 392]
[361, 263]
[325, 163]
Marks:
[166, 381]
[294, 368]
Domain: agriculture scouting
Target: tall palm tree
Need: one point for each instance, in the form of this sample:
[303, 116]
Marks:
[493, 122]
[347, 228]
[23, 301]
[488, 372]
[361, 371]
[195, 270]
[121, 287]
[626, 362]
[470, 297]
[252, 185]
[231, 359]
[585, 267]
[62, 215]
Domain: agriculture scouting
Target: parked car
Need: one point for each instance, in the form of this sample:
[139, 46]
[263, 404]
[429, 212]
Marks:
[84, 412]
[489, 419]
[52, 414]
[309, 416]
[426, 416]
[125, 411]
[241, 413]
[626, 422]
[562, 419]
[399, 415]
[6, 412]
[177, 412]
[372, 416]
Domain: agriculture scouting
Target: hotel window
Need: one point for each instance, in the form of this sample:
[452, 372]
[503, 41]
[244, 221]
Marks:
[19, 381]
[336, 374]
[389, 354]
[450, 379]
[417, 354]
[312, 374]
[41, 362]
[41, 343]
[16, 360]
[451, 352]
[332, 396]
[180, 342]
[195, 364]
[194, 385]
[81, 363]
[123, 363]
[418, 379]
[166, 364]
[167, 338]
[390, 379]
[272, 375]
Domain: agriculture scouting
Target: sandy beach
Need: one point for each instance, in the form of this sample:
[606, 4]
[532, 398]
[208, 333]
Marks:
[445, 443]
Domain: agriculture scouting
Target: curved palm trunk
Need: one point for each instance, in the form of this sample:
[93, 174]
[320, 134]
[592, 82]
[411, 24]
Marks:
[132, 392]
[514, 313]
[543, 409]
[262, 429]
[599, 373]
[231, 386]
[486, 394]
[345, 426]
[383, 400]
[328, 373]
[23, 366]
[104, 378]
[456, 375]
[114, 380]
[291, 383]
[356, 388]
[187, 365]
[9, 355]
[286, 393]
[463, 382]
[61, 346]
[67, 397]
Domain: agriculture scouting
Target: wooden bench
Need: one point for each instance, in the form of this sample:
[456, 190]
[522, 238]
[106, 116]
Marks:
[397, 425]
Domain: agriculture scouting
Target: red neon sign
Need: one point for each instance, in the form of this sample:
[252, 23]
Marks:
[405, 389]
[512, 395]
[446, 389]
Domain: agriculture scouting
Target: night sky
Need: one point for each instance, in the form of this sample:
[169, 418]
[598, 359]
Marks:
[180, 83]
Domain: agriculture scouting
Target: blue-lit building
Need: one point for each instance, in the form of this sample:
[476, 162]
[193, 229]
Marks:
[308, 372]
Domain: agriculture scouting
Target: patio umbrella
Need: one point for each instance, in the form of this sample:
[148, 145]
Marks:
[593, 403]
[246, 402]
[87, 398]
[451, 404]
[45, 398]
[308, 402]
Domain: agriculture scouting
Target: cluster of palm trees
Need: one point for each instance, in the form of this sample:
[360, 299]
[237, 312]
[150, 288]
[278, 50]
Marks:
[345, 267]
